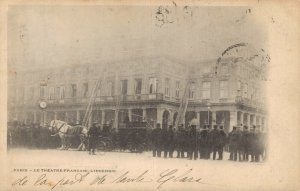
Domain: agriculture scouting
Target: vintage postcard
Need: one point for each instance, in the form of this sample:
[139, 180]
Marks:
[149, 95]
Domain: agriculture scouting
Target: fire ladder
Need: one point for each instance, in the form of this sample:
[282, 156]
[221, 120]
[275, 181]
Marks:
[89, 109]
[184, 102]
[118, 101]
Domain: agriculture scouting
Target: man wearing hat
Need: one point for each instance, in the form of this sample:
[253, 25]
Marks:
[92, 137]
[253, 144]
[245, 143]
[164, 140]
[180, 141]
[204, 143]
[214, 140]
[222, 142]
[156, 140]
[171, 141]
[192, 144]
[233, 143]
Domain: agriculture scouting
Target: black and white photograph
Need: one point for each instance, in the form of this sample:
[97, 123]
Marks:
[155, 96]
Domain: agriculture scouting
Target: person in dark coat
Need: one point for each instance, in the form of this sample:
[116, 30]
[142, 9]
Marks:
[214, 140]
[164, 141]
[209, 142]
[156, 141]
[245, 143]
[203, 142]
[93, 134]
[221, 142]
[180, 141]
[171, 141]
[192, 138]
[240, 143]
[234, 137]
[254, 139]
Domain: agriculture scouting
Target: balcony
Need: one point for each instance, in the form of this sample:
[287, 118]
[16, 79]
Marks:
[249, 102]
[123, 98]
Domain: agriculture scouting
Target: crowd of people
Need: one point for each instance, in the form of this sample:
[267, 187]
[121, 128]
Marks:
[243, 145]
[33, 136]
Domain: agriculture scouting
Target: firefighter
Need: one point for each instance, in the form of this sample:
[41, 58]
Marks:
[214, 140]
[180, 141]
[93, 134]
[192, 138]
[171, 141]
[164, 141]
[204, 143]
[245, 143]
[233, 143]
[222, 142]
[156, 141]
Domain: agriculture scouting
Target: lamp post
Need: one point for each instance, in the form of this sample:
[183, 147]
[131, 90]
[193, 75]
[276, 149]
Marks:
[208, 111]
[43, 103]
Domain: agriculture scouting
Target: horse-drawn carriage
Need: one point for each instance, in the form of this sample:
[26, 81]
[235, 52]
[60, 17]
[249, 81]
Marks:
[132, 137]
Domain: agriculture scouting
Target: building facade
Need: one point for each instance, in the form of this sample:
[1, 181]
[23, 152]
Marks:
[148, 88]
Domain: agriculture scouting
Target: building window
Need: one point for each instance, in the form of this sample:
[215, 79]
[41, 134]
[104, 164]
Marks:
[85, 90]
[124, 87]
[245, 88]
[223, 89]
[207, 70]
[224, 69]
[177, 90]
[192, 91]
[239, 88]
[110, 88]
[62, 92]
[42, 92]
[206, 86]
[152, 85]
[167, 87]
[73, 90]
[31, 94]
[51, 93]
[138, 86]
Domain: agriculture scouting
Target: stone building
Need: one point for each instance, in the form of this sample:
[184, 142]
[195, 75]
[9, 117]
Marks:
[149, 88]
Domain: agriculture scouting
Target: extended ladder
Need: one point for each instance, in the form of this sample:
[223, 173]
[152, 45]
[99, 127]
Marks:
[118, 101]
[184, 102]
[89, 109]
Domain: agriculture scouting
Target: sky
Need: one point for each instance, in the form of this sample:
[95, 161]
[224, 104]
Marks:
[49, 36]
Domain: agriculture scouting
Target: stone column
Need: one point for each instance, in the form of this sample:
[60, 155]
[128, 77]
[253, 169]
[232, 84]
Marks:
[258, 120]
[248, 120]
[45, 116]
[34, 117]
[130, 114]
[42, 118]
[144, 114]
[241, 119]
[214, 117]
[77, 116]
[233, 120]
[159, 116]
[102, 117]
[254, 120]
[198, 118]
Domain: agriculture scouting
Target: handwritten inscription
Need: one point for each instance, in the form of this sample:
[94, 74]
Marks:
[127, 177]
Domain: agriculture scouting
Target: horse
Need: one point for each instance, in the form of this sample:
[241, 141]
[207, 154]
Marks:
[67, 132]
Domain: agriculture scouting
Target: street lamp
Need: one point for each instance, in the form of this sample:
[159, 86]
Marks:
[208, 111]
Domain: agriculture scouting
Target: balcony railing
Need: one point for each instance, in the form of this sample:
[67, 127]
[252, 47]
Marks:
[138, 97]
[246, 101]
